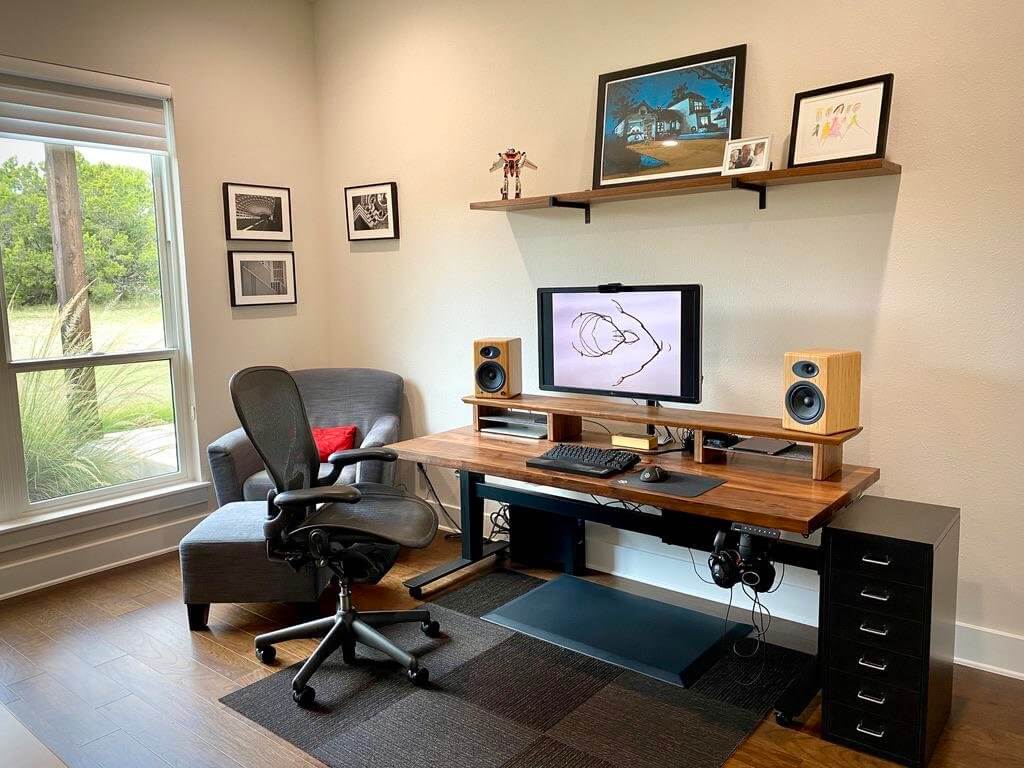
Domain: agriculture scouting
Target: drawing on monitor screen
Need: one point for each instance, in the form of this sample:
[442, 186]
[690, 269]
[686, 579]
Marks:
[599, 335]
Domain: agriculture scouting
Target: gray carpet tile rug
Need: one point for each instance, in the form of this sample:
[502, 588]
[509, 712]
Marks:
[500, 699]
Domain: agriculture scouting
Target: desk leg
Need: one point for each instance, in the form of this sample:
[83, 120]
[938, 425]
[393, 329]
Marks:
[474, 547]
[805, 686]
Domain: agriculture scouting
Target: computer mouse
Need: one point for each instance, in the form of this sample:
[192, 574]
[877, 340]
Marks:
[653, 474]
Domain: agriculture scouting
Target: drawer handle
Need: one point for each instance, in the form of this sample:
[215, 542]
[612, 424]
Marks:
[868, 732]
[876, 560]
[882, 597]
[878, 666]
[879, 700]
[883, 632]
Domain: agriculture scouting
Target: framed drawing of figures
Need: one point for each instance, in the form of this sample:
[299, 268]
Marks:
[256, 212]
[371, 211]
[669, 119]
[849, 121]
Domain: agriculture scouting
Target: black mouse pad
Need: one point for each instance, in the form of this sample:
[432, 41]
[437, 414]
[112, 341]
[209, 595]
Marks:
[676, 484]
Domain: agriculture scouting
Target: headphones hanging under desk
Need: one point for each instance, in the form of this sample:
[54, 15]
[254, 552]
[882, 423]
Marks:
[745, 564]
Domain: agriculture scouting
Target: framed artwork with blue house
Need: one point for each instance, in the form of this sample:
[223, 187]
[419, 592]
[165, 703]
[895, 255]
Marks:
[669, 119]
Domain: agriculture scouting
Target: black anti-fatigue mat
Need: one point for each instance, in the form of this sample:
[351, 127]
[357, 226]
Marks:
[500, 699]
[663, 641]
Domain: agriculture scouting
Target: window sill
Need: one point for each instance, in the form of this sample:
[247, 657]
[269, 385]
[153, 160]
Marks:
[27, 530]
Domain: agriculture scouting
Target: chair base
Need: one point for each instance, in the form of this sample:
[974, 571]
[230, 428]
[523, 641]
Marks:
[342, 631]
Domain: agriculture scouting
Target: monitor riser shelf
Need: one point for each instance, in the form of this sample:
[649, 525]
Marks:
[565, 423]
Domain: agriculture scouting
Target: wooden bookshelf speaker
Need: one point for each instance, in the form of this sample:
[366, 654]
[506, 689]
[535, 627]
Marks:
[499, 367]
[821, 391]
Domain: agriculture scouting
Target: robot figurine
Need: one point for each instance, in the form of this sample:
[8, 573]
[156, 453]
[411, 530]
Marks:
[512, 160]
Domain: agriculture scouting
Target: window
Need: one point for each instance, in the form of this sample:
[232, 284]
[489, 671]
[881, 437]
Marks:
[94, 391]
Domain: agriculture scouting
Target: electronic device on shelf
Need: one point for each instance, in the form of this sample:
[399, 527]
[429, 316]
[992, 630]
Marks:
[720, 440]
[515, 423]
[584, 460]
[641, 342]
[822, 390]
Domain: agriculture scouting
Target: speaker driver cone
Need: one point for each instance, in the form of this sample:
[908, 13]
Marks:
[804, 402]
[490, 376]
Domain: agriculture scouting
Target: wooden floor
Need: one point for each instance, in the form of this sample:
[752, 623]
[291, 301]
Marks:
[104, 672]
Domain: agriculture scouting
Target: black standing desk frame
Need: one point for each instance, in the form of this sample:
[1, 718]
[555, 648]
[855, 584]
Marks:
[677, 528]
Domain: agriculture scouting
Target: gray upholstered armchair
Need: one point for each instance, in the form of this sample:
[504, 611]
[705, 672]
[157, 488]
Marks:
[368, 398]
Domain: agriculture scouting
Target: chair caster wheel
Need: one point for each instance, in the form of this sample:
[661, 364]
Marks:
[267, 654]
[419, 676]
[304, 697]
[783, 719]
[416, 593]
[431, 628]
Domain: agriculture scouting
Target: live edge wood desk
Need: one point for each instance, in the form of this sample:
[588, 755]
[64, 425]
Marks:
[759, 491]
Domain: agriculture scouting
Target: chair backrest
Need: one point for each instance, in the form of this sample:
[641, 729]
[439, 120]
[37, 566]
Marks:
[337, 396]
[271, 412]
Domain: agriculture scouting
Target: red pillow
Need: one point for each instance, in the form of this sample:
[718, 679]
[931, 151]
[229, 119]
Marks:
[331, 439]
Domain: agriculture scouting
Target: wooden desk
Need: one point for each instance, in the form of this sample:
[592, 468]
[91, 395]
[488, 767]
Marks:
[759, 491]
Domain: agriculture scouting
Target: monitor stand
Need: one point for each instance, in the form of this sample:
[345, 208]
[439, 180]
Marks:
[651, 430]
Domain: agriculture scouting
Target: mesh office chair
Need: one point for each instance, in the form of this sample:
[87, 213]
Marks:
[357, 533]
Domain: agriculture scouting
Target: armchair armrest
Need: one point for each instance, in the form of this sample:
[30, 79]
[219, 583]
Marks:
[233, 459]
[383, 432]
[304, 497]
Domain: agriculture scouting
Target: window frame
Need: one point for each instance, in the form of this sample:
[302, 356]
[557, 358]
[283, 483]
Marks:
[14, 502]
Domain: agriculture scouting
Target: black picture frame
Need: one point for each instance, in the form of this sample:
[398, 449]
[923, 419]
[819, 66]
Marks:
[231, 233]
[393, 232]
[236, 295]
[885, 80]
[739, 52]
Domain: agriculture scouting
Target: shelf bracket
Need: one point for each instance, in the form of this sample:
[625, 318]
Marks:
[585, 207]
[761, 189]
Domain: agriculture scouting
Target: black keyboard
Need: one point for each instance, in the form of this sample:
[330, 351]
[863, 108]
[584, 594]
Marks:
[584, 460]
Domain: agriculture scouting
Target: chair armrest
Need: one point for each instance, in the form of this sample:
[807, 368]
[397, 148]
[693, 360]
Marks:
[383, 432]
[304, 497]
[233, 459]
[355, 455]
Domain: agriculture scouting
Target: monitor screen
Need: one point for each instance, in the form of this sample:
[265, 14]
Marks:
[632, 341]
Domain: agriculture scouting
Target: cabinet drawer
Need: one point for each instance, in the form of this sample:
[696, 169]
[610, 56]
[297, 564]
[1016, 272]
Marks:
[875, 733]
[873, 697]
[878, 629]
[879, 558]
[875, 664]
[894, 598]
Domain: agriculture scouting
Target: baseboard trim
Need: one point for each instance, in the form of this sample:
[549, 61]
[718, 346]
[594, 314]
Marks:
[79, 560]
[990, 650]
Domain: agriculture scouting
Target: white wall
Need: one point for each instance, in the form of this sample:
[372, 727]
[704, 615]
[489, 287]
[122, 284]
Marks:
[923, 272]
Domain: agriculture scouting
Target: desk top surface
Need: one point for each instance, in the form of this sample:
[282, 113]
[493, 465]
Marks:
[775, 493]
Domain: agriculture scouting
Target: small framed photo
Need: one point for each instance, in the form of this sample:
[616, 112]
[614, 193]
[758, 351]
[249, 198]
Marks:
[371, 211]
[747, 155]
[256, 212]
[849, 121]
[261, 277]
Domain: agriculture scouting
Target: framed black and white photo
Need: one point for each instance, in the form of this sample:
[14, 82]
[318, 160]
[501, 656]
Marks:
[747, 155]
[670, 119]
[849, 121]
[371, 211]
[261, 277]
[256, 212]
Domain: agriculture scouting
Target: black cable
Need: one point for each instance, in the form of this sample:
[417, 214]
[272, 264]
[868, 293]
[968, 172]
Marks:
[598, 423]
[437, 498]
[697, 574]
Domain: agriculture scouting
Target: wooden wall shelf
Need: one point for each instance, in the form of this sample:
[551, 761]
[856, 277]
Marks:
[565, 415]
[752, 182]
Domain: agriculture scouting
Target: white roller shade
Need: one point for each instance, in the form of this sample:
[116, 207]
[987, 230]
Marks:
[76, 106]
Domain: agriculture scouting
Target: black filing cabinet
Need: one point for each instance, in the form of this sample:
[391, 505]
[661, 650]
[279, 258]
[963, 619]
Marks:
[888, 612]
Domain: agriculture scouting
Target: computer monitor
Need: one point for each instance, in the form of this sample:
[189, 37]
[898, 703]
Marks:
[641, 342]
